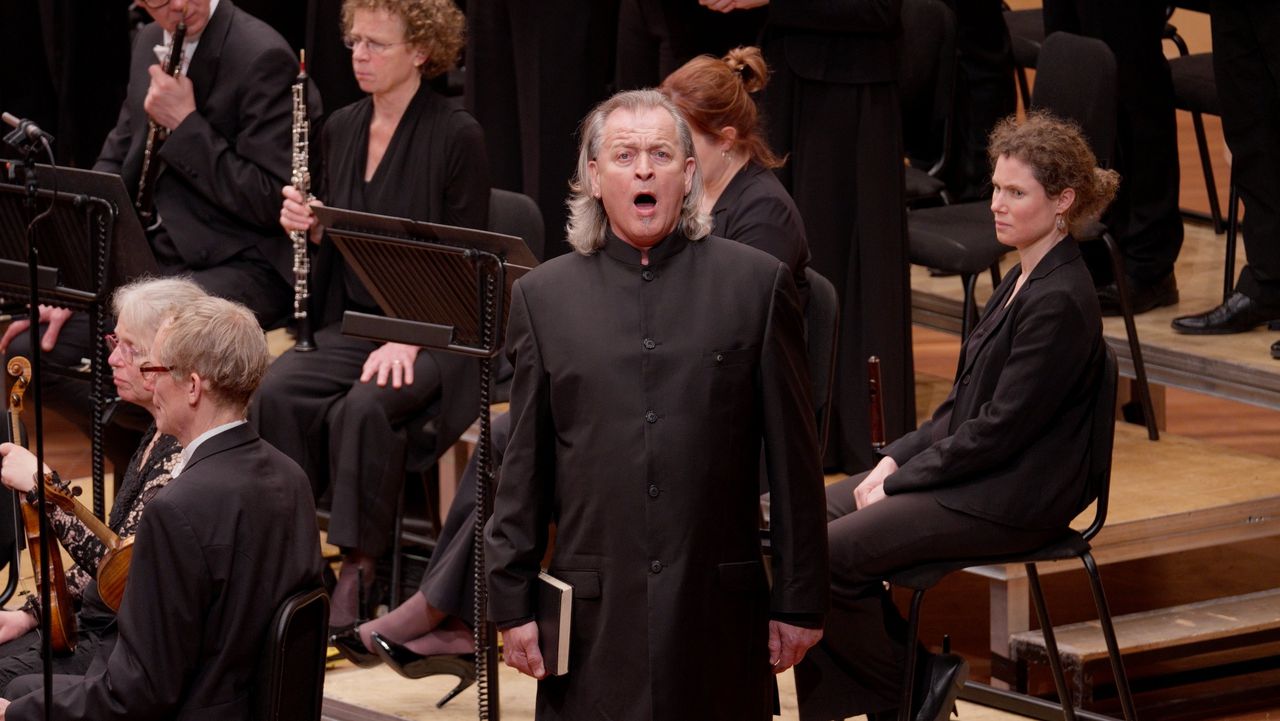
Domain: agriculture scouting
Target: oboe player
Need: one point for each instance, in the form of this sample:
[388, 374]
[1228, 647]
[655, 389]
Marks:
[403, 151]
[220, 169]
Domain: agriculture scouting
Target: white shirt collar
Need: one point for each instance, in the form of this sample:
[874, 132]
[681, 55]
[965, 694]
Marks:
[189, 449]
[188, 46]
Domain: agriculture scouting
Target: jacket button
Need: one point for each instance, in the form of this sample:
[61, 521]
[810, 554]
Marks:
[655, 567]
[653, 491]
[650, 344]
[719, 357]
[646, 274]
[964, 380]
[651, 417]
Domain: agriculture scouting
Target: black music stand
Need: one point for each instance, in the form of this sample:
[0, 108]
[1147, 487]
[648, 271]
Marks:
[447, 288]
[91, 244]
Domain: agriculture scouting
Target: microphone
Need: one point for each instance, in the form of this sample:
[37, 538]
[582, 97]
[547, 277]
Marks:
[26, 128]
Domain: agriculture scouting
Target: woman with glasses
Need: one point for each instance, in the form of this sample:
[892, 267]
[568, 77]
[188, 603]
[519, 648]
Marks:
[140, 307]
[341, 411]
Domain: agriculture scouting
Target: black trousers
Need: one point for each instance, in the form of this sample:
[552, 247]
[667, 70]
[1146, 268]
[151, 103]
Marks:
[1144, 216]
[857, 666]
[1246, 64]
[655, 37]
[845, 173]
[22, 657]
[534, 69]
[348, 436]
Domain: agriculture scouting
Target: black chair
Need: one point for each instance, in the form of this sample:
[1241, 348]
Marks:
[822, 337]
[926, 87]
[1026, 35]
[290, 683]
[1073, 544]
[1077, 80]
[1195, 90]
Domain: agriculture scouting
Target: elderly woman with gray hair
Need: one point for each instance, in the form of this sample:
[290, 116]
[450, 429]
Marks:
[651, 368]
[140, 307]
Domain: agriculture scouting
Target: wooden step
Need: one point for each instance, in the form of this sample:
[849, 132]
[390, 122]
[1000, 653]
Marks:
[1213, 626]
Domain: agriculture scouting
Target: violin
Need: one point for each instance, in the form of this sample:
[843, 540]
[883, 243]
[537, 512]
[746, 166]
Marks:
[113, 569]
[62, 618]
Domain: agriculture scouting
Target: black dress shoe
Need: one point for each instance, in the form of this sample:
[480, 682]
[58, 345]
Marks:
[414, 665]
[352, 648]
[1238, 314]
[1142, 296]
[945, 675]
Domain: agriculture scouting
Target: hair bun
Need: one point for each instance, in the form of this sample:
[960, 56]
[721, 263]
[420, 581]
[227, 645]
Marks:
[749, 65]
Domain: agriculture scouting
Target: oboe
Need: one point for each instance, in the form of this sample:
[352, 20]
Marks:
[301, 179]
[145, 200]
[876, 406]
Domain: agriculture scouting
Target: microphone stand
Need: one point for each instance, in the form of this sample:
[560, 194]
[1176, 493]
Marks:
[28, 145]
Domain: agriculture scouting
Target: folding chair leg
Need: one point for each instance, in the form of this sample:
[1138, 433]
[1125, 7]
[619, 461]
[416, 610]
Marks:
[995, 274]
[909, 664]
[1233, 226]
[969, 308]
[1109, 633]
[1131, 330]
[1210, 185]
[1024, 89]
[397, 556]
[1051, 645]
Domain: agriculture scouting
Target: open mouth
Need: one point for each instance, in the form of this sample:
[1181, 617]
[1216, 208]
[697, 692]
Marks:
[645, 202]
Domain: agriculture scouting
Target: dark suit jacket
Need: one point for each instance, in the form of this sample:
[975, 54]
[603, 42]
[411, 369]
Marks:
[218, 551]
[754, 209]
[641, 399]
[225, 164]
[1011, 442]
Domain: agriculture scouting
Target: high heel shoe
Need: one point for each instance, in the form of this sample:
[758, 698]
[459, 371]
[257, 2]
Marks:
[348, 643]
[414, 665]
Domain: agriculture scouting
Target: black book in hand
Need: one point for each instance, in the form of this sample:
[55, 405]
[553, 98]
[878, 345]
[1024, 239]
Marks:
[555, 608]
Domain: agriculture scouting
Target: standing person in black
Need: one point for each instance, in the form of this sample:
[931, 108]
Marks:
[1145, 216]
[341, 411]
[833, 111]
[533, 70]
[1002, 467]
[1246, 64]
[652, 366]
[657, 36]
[221, 166]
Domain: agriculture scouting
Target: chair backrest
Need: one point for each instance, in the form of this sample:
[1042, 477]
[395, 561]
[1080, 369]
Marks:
[516, 214]
[1103, 441]
[290, 682]
[926, 79]
[822, 335]
[1076, 79]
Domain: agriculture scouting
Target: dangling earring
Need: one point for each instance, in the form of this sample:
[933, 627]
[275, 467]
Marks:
[1060, 224]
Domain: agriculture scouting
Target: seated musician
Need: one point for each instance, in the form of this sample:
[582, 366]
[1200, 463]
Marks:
[341, 411]
[218, 550]
[140, 308]
[1002, 466]
[216, 174]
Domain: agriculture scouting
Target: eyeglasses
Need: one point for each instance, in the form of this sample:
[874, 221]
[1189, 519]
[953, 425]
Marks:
[127, 351]
[149, 371]
[351, 42]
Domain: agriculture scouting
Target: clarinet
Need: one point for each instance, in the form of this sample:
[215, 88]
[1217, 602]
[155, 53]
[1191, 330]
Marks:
[301, 179]
[145, 200]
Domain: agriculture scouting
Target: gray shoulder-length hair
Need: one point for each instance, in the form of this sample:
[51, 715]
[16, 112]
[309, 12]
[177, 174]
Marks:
[587, 219]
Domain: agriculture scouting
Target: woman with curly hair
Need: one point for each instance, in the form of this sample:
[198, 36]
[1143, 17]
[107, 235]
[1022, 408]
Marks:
[342, 410]
[1002, 467]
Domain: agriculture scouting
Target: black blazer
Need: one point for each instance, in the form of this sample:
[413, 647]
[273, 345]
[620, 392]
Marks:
[217, 552]
[754, 209]
[1011, 442]
[225, 164]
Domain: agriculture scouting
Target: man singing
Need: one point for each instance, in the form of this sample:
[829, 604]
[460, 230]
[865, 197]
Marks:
[653, 365]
